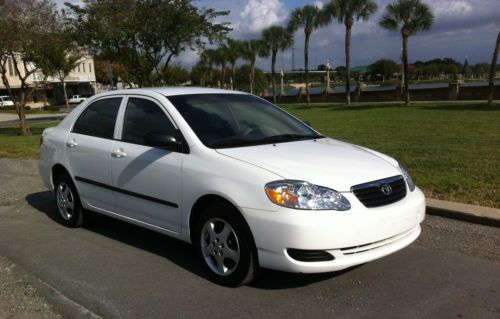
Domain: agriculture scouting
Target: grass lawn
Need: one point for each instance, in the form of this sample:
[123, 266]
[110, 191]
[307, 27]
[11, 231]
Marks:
[452, 149]
[14, 146]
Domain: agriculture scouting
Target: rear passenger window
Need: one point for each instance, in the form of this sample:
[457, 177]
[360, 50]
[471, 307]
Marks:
[99, 118]
[142, 117]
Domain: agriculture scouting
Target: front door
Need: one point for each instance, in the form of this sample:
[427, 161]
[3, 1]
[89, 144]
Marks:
[147, 180]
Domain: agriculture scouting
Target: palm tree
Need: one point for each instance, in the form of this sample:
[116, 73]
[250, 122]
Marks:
[252, 49]
[410, 17]
[310, 18]
[346, 12]
[276, 38]
[234, 50]
[492, 71]
[208, 57]
[220, 58]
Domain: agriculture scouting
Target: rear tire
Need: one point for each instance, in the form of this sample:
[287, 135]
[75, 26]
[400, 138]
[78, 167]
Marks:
[225, 246]
[68, 202]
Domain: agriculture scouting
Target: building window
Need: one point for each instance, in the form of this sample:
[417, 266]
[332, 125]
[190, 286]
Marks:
[83, 65]
[78, 68]
[11, 69]
[90, 67]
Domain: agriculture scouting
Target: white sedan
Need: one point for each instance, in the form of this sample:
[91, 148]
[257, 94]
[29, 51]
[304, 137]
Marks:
[5, 101]
[247, 183]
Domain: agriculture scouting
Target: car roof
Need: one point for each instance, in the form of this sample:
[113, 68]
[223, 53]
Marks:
[171, 91]
[4, 96]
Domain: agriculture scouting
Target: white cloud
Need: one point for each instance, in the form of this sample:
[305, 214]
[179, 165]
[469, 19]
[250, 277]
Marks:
[459, 7]
[319, 4]
[260, 14]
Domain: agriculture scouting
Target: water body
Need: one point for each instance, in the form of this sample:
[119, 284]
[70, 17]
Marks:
[382, 87]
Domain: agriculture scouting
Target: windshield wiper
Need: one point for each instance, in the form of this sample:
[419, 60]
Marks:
[288, 137]
[234, 142]
[229, 142]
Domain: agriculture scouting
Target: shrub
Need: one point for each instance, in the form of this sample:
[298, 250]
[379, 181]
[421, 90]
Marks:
[51, 108]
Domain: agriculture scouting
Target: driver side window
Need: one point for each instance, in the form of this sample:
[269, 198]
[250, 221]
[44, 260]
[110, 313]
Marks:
[144, 116]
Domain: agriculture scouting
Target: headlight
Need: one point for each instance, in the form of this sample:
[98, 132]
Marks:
[302, 195]
[407, 176]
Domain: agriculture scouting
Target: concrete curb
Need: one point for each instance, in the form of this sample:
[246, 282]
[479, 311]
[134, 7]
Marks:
[62, 304]
[33, 120]
[470, 213]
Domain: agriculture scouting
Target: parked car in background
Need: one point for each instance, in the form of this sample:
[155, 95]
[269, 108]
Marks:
[244, 181]
[76, 99]
[5, 101]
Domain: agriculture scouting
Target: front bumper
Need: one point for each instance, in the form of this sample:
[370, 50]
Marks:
[353, 237]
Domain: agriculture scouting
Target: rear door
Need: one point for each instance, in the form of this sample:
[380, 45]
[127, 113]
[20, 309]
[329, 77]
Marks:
[147, 180]
[88, 149]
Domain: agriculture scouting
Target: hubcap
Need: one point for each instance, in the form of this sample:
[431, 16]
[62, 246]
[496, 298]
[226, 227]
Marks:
[65, 201]
[219, 246]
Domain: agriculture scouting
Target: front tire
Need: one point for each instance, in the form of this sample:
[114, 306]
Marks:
[225, 246]
[68, 202]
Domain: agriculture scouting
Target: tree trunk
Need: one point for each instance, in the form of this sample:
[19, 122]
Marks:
[306, 66]
[224, 76]
[406, 91]
[252, 76]
[65, 94]
[233, 69]
[493, 71]
[110, 75]
[273, 74]
[21, 113]
[348, 29]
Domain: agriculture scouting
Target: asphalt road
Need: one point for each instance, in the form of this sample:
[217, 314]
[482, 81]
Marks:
[117, 270]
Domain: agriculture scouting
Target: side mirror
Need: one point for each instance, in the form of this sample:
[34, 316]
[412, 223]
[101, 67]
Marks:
[164, 141]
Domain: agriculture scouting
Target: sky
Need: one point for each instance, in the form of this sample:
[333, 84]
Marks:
[462, 29]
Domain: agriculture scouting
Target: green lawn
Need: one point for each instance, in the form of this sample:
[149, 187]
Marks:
[14, 146]
[452, 150]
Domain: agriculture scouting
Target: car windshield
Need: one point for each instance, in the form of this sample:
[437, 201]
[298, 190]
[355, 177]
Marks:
[235, 120]
[6, 98]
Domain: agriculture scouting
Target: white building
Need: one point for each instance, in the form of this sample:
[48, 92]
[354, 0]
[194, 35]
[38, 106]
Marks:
[81, 81]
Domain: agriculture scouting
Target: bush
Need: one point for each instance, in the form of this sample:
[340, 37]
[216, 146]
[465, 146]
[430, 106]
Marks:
[51, 108]
[8, 108]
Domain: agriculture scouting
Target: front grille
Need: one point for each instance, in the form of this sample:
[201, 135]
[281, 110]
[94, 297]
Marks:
[309, 255]
[372, 194]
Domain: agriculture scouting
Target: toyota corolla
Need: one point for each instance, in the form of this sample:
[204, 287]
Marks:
[246, 183]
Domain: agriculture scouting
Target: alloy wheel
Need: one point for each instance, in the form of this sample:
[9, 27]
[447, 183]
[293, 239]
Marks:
[219, 246]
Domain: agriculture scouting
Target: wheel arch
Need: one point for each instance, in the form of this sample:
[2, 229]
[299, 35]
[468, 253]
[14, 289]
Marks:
[210, 199]
[57, 170]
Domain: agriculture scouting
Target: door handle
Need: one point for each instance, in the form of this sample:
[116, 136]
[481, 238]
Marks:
[119, 153]
[71, 143]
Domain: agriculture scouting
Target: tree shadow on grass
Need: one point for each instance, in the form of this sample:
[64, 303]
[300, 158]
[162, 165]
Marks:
[366, 107]
[461, 107]
[176, 251]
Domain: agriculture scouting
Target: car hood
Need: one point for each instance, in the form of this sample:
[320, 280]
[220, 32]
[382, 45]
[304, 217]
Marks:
[326, 162]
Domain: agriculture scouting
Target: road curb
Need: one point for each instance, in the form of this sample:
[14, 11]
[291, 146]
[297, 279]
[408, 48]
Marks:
[33, 120]
[62, 304]
[470, 213]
